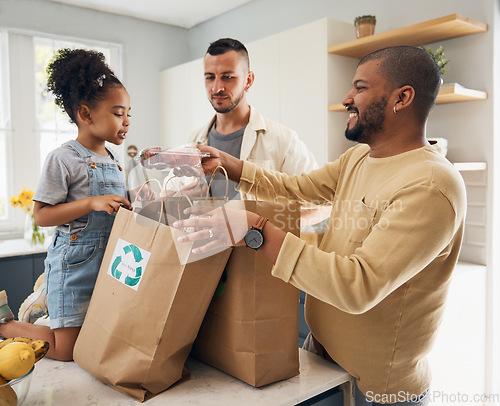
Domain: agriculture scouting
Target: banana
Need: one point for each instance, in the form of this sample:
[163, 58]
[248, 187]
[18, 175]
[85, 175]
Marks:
[39, 346]
[16, 360]
[8, 396]
[15, 340]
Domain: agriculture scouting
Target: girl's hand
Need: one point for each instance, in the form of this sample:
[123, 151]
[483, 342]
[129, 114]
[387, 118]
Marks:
[221, 227]
[109, 203]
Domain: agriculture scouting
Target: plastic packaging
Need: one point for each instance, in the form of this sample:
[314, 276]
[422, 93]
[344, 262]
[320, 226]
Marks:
[167, 159]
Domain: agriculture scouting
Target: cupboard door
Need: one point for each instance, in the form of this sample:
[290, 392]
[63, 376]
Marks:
[303, 90]
[265, 63]
[183, 103]
[16, 278]
[303, 328]
[332, 397]
[38, 265]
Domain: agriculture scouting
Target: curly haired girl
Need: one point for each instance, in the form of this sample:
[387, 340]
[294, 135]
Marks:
[81, 187]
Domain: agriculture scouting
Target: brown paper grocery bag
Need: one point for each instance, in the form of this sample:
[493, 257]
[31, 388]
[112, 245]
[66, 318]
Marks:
[144, 315]
[251, 330]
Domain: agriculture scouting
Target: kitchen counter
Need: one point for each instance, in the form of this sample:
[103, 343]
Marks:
[58, 383]
[19, 246]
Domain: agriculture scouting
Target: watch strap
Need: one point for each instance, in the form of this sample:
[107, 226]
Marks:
[260, 223]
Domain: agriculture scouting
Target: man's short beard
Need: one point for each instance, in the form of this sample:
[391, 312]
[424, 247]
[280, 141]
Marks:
[371, 122]
[231, 107]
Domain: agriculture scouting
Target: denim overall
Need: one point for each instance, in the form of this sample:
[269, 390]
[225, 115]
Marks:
[73, 260]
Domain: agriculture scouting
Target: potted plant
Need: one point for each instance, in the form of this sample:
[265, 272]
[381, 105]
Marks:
[364, 25]
[438, 57]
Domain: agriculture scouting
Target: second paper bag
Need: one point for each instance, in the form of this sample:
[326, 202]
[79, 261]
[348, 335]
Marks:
[251, 330]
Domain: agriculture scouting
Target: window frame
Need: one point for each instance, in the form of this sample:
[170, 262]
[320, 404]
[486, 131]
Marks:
[6, 224]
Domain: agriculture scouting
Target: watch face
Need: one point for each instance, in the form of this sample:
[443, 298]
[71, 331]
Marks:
[254, 239]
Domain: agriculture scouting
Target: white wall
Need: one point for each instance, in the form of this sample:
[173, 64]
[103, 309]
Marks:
[261, 18]
[187, 102]
[493, 279]
[148, 48]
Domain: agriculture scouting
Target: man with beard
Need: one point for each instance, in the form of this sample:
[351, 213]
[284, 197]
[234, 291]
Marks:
[376, 288]
[240, 129]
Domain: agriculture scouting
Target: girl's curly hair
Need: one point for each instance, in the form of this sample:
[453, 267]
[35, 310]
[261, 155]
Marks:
[78, 76]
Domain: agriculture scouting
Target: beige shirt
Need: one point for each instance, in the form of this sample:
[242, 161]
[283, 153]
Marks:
[377, 285]
[269, 145]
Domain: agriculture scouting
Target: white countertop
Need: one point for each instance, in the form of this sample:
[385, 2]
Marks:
[19, 246]
[58, 383]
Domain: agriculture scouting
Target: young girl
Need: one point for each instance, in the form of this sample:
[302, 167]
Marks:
[81, 187]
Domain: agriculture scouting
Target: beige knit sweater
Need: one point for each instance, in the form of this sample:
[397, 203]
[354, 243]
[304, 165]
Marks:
[376, 287]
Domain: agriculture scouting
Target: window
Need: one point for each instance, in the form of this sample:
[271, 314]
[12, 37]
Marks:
[53, 125]
[5, 130]
[31, 125]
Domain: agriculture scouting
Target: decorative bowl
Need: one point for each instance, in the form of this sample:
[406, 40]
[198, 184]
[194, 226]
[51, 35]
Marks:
[16, 390]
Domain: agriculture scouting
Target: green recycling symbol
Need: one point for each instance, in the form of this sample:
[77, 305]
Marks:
[124, 266]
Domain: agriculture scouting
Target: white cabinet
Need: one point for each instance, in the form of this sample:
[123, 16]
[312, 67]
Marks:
[295, 77]
[264, 62]
[183, 102]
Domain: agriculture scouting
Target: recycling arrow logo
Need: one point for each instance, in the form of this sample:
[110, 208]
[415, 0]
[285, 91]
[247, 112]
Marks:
[128, 263]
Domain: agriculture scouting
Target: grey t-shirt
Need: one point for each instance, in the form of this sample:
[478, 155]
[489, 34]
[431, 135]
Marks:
[65, 179]
[230, 143]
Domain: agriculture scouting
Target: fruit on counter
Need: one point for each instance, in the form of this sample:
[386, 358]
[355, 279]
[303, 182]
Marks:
[8, 396]
[39, 346]
[15, 340]
[16, 360]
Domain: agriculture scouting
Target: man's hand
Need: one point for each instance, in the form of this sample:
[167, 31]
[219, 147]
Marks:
[232, 165]
[210, 163]
[221, 227]
[141, 193]
[197, 188]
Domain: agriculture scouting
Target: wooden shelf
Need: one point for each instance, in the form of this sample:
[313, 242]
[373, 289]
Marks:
[438, 29]
[449, 93]
[454, 93]
[470, 166]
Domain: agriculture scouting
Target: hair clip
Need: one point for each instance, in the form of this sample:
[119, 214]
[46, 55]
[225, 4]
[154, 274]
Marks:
[100, 80]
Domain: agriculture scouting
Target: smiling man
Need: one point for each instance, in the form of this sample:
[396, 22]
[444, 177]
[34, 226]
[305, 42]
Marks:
[376, 288]
[239, 129]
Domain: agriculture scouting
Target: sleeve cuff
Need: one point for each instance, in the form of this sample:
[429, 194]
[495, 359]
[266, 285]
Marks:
[288, 257]
[247, 178]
